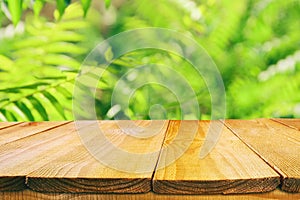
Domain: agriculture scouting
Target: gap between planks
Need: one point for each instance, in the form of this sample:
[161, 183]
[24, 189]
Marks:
[77, 170]
[14, 144]
[230, 168]
[293, 123]
[26, 129]
[4, 125]
[276, 143]
[93, 189]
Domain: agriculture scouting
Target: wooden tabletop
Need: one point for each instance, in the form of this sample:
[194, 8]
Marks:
[32, 195]
[250, 157]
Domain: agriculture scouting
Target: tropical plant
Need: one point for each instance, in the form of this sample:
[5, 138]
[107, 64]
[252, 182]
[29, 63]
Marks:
[13, 9]
[39, 61]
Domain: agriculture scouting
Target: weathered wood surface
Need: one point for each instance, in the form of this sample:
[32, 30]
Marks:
[293, 123]
[277, 144]
[231, 167]
[76, 170]
[32, 195]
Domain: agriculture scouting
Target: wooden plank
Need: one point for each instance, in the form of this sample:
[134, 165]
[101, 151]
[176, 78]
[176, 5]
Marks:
[20, 157]
[25, 129]
[231, 167]
[76, 170]
[277, 144]
[8, 124]
[293, 123]
[32, 195]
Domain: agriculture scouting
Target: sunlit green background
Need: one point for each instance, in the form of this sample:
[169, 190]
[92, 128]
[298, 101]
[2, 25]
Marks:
[255, 44]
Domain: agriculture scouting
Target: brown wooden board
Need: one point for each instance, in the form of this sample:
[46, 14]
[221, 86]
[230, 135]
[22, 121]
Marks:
[24, 155]
[293, 123]
[32, 195]
[77, 170]
[25, 129]
[4, 125]
[231, 167]
[277, 144]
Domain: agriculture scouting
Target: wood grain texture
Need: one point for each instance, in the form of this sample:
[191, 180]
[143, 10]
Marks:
[32, 195]
[76, 170]
[293, 123]
[7, 124]
[277, 144]
[12, 183]
[25, 129]
[22, 156]
[231, 167]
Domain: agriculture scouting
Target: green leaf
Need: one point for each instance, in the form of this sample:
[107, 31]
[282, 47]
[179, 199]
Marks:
[85, 6]
[15, 9]
[8, 116]
[2, 116]
[55, 103]
[61, 60]
[39, 107]
[38, 6]
[17, 112]
[30, 86]
[63, 47]
[66, 36]
[61, 6]
[5, 63]
[64, 92]
[4, 99]
[107, 3]
[108, 54]
[22, 106]
[71, 25]
[1, 15]
[50, 77]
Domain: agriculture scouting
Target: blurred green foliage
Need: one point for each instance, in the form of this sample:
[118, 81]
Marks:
[255, 44]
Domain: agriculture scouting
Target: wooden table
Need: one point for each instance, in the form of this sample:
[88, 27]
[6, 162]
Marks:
[32, 195]
[150, 159]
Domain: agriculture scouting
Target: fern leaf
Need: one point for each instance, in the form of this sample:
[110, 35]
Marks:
[64, 47]
[2, 116]
[15, 9]
[61, 6]
[7, 115]
[64, 92]
[39, 107]
[63, 61]
[107, 3]
[38, 6]
[85, 6]
[55, 103]
[17, 113]
[26, 111]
